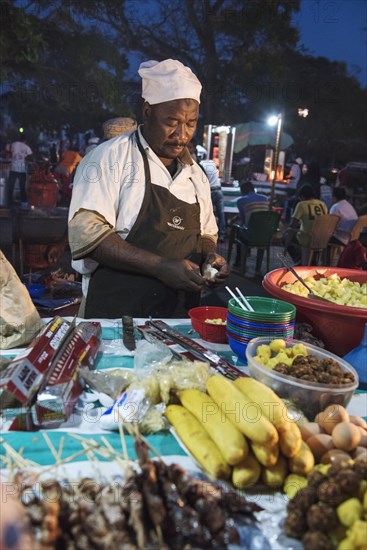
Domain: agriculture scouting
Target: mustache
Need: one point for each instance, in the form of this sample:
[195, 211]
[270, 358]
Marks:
[176, 143]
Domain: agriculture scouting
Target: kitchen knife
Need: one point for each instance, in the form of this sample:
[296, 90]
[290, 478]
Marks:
[128, 336]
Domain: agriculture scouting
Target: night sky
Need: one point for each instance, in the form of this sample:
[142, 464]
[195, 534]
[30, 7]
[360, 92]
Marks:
[336, 29]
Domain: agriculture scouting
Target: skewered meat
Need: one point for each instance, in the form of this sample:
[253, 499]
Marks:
[162, 507]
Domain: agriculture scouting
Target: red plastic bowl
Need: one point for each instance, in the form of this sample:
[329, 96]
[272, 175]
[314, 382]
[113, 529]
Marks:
[340, 327]
[207, 331]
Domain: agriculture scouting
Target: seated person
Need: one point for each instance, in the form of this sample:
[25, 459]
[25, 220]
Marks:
[326, 192]
[249, 202]
[348, 216]
[298, 233]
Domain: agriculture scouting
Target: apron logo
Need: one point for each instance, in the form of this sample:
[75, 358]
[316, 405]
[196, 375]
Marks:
[176, 223]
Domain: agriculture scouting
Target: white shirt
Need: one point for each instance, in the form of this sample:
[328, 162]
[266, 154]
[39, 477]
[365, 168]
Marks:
[348, 217]
[295, 176]
[211, 172]
[19, 151]
[111, 181]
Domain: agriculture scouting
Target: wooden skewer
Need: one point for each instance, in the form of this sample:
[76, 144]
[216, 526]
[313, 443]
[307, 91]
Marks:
[117, 458]
[122, 437]
[61, 446]
[50, 446]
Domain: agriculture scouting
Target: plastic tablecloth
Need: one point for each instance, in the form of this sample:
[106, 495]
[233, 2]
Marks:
[33, 445]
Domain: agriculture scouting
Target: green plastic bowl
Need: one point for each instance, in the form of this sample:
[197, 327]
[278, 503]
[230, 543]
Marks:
[265, 309]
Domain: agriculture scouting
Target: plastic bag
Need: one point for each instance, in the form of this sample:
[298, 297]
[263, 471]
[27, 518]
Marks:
[19, 319]
[149, 356]
[111, 382]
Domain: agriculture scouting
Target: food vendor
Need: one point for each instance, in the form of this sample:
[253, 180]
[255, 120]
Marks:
[141, 224]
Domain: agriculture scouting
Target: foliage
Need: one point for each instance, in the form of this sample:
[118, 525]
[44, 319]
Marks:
[75, 55]
[73, 76]
[228, 44]
[21, 41]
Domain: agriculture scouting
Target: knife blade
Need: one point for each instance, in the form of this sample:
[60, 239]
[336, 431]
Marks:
[128, 336]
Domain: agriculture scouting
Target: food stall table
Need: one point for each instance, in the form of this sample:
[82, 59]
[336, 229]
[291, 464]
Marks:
[85, 422]
[62, 452]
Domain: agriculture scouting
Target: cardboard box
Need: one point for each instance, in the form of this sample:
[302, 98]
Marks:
[24, 375]
[62, 386]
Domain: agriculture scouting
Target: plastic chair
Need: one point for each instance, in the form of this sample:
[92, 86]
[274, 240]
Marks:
[261, 229]
[322, 230]
[335, 249]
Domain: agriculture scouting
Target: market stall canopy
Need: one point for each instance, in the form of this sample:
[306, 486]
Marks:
[258, 133]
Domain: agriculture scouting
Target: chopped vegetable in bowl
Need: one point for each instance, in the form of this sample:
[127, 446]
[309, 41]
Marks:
[217, 321]
[340, 291]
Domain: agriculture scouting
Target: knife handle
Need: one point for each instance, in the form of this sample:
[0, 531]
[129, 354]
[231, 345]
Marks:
[128, 335]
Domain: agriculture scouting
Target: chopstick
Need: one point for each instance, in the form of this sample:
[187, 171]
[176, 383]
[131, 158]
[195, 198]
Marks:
[245, 301]
[237, 299]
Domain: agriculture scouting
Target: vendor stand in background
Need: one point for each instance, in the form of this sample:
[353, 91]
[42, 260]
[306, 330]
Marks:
[219, 143]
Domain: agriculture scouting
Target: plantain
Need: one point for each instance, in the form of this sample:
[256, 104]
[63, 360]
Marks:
[290, 441]
[198, 441]
[270, 403]
[229, 440]
[247, 472]
[267, 456]
[302, 462]
[242, 411]
[274, 476]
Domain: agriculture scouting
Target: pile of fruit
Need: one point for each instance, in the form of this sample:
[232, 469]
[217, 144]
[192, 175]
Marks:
[240, 431]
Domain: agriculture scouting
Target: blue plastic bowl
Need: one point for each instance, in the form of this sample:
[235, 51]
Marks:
[245, 323]
[239, 348]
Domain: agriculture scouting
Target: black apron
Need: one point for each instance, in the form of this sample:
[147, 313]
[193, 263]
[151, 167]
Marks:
[166, 226]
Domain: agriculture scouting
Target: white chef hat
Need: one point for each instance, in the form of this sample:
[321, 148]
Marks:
[168, 80]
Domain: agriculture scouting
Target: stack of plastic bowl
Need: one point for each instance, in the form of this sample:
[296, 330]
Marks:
[271, 318]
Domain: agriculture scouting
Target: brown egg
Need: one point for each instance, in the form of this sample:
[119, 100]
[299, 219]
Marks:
[309, 429]
[358, 421]
[346, 436]
[363, 442]
[335, 457]
[319, 445]
[331, 416]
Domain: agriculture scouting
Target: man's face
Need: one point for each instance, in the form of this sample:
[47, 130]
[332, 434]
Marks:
[169, 126]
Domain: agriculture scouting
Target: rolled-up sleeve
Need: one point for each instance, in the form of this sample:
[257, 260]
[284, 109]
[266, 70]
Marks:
[87, 229]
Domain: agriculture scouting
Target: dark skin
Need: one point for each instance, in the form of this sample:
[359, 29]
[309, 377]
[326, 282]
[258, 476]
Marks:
[168, 128]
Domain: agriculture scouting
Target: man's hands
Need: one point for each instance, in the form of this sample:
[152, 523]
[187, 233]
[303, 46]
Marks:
[185, 275]
[116, 253]
[219, 263]
[181, 274]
